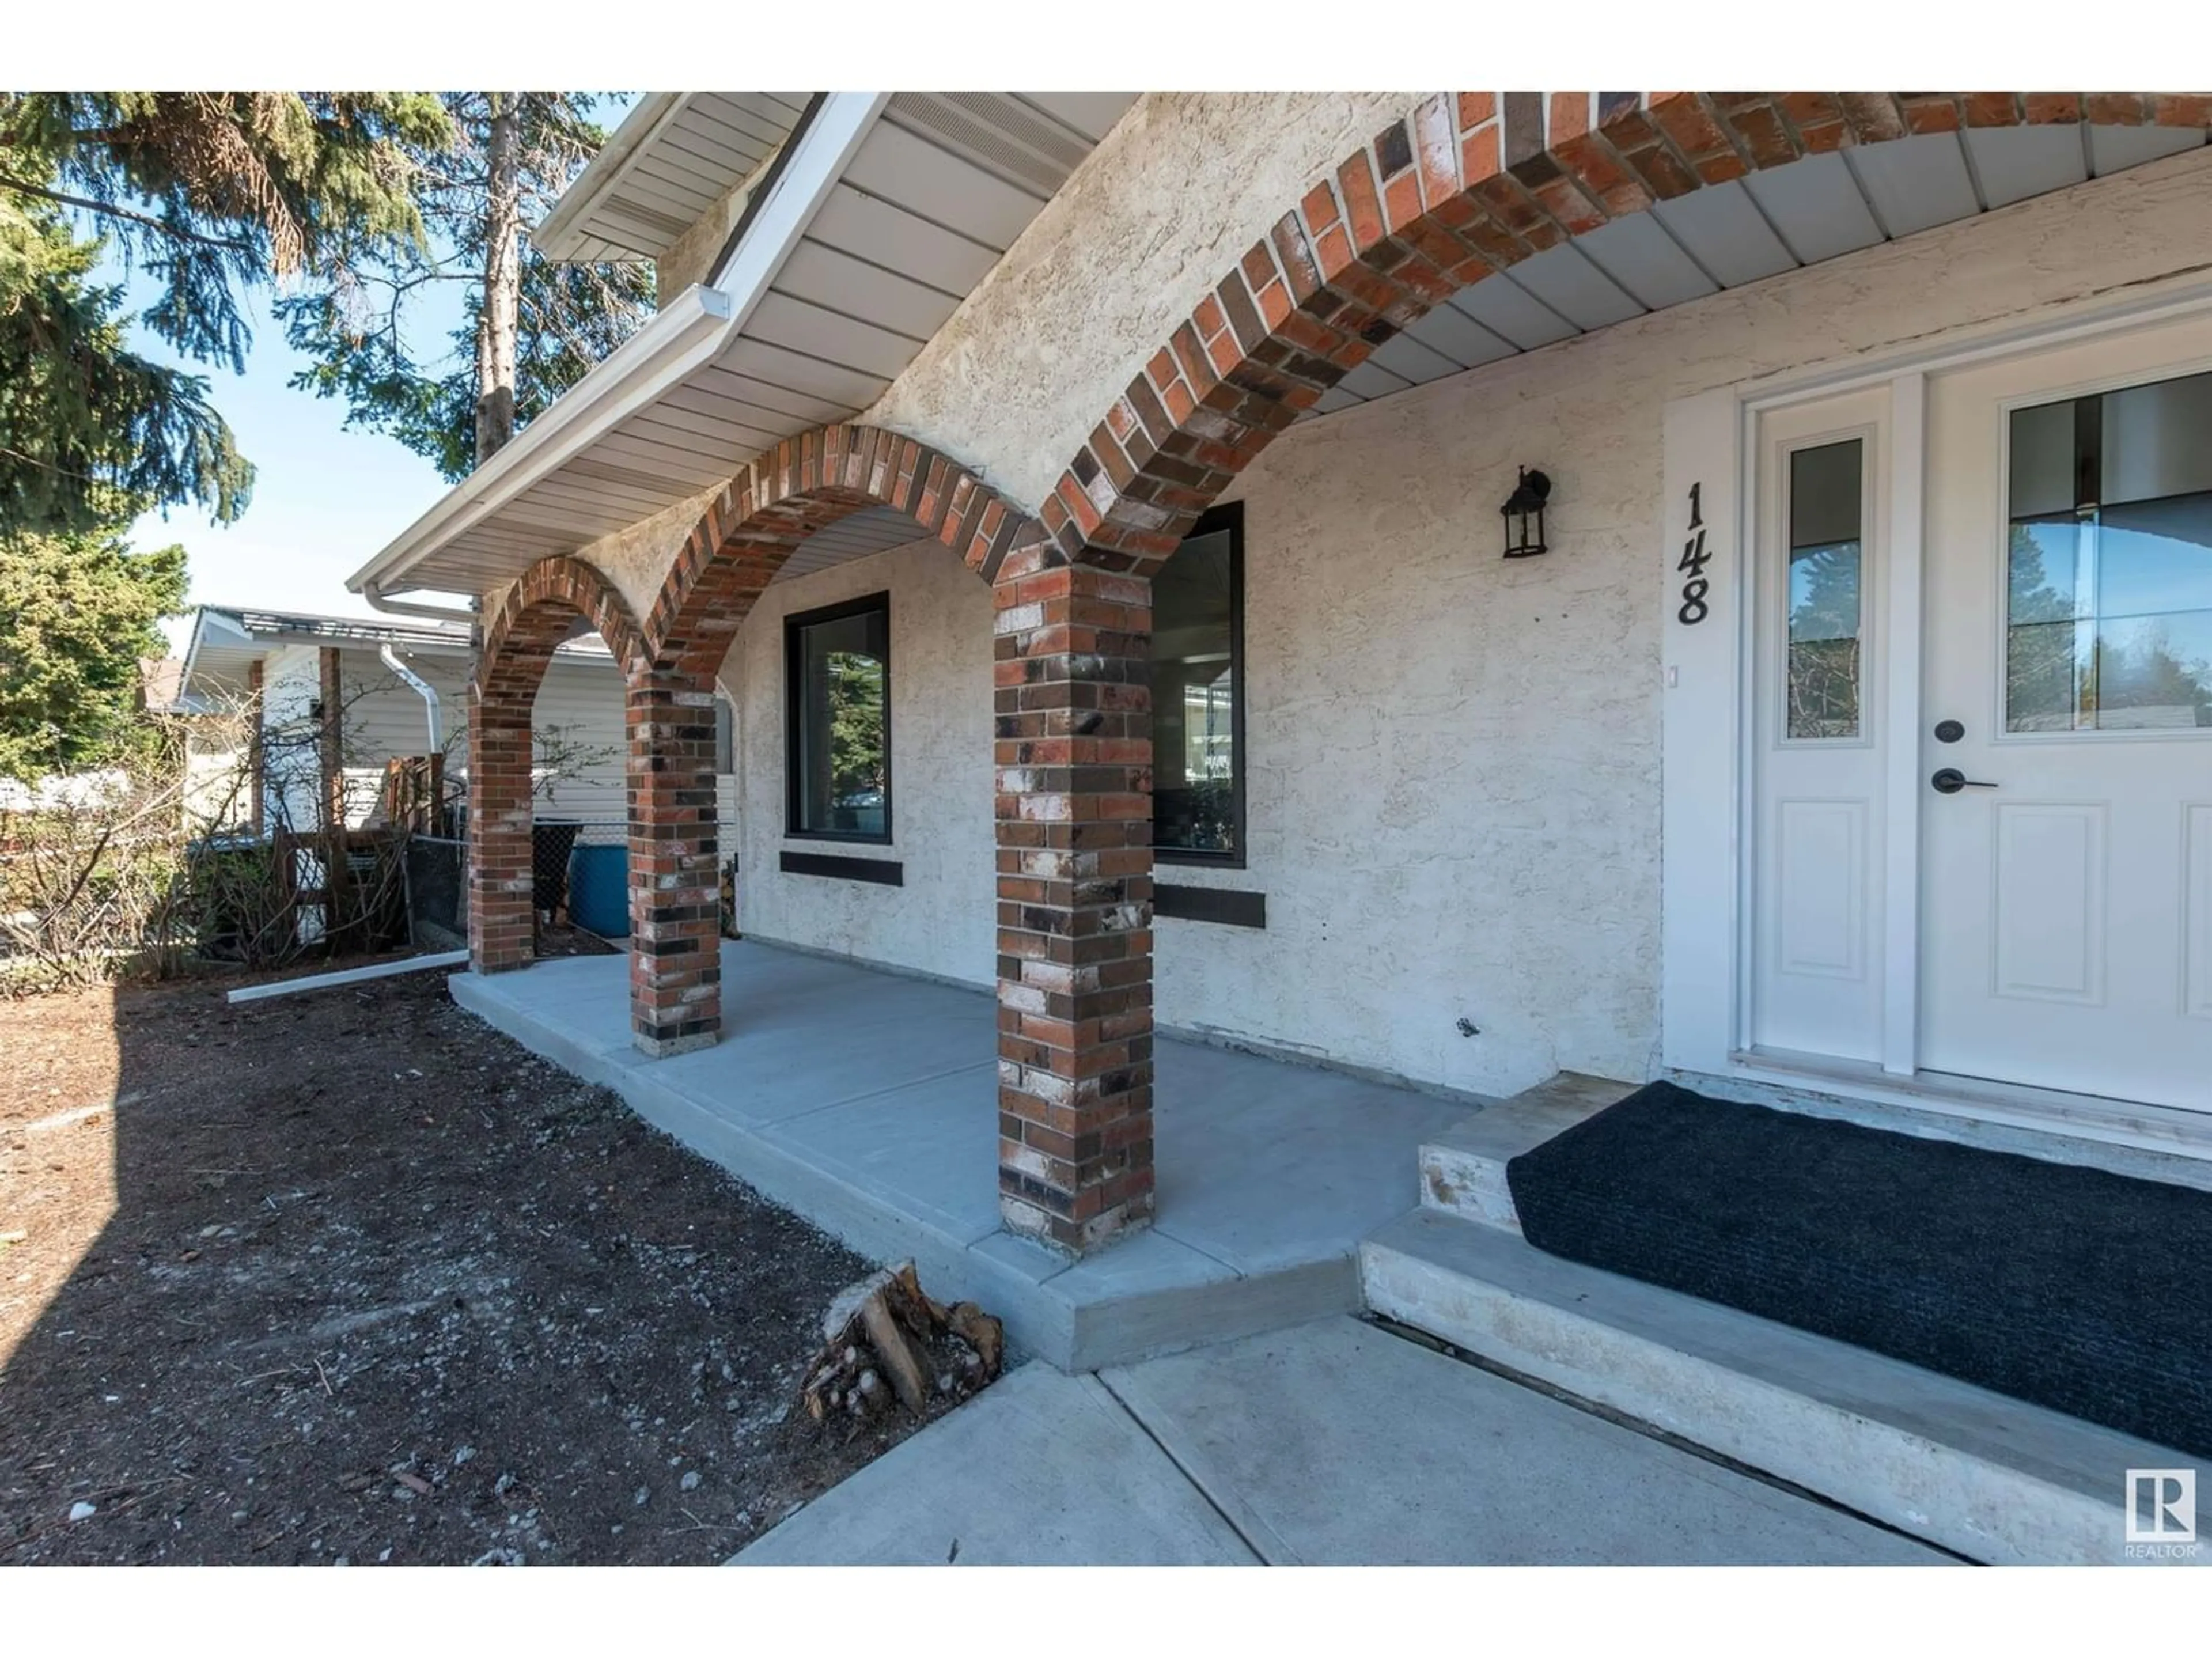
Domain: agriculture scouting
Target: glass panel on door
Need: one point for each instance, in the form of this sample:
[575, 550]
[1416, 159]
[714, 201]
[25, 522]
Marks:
[2109, 567]
[1826, 590]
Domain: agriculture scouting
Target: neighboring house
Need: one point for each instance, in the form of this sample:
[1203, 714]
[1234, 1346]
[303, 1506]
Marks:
[333, 700]
[1095, 508]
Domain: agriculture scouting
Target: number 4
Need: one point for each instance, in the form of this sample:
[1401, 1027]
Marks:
[1694, 557]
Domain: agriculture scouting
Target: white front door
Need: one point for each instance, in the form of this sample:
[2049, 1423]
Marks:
[2066, 737]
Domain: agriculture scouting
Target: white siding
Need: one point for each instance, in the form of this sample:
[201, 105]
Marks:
[291, 681]
[385, 718]
[218, 793]
[579, 715]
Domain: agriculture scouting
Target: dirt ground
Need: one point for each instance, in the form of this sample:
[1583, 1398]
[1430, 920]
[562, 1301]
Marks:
[350, 1276]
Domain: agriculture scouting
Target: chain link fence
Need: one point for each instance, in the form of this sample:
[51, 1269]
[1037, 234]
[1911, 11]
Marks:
[580, 886]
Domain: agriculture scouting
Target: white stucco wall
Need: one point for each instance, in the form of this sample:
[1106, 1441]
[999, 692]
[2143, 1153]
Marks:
[942, 921]
[1151, 220]
[1453, 761]
[1455, 766]
[637, 561]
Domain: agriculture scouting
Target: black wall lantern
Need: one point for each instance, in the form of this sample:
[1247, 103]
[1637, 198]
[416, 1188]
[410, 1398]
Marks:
[1524, 515]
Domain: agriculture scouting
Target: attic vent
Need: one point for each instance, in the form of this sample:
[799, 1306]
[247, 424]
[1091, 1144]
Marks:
[995, 132]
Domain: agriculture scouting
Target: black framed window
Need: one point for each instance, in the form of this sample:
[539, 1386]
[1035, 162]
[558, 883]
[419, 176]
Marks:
[1198, 701]
[838, 699]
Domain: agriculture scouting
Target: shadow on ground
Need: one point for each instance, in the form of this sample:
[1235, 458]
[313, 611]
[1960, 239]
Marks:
[347, 1275]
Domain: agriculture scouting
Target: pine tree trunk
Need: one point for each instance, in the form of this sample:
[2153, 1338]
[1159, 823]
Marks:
[502, 279]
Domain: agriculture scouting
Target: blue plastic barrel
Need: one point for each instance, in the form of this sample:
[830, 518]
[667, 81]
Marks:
[599, 890]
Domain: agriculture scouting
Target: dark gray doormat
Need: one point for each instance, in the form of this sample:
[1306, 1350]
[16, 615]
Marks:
[2074, 1288]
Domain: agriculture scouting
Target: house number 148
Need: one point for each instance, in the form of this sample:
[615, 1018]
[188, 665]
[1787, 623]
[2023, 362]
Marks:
[1693, 609]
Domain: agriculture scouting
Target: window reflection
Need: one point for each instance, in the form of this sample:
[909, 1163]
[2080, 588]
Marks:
[1197, 803]
[2109, 600]
[1826, 597]
[841, 736]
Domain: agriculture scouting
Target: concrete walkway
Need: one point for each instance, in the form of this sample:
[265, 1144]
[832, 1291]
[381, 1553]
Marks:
[1333, 1443]
[868, 1103]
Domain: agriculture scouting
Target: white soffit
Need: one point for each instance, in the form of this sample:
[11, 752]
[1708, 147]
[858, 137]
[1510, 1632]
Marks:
[1727, 236]
[663, 170]
[886, 212]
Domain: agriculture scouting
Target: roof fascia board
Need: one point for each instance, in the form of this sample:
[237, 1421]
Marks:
[697, 324]
[559, 234]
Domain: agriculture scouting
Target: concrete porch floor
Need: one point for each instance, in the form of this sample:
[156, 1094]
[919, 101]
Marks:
[868, 1102]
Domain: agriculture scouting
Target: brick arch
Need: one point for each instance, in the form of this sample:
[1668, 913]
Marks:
[806, 484]
[1469, 185]
[531, 617]
[524, 628]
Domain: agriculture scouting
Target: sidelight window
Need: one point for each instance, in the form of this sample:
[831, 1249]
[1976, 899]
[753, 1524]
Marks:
[1827, 590]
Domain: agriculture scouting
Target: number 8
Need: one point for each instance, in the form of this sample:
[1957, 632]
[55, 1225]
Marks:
[1693, 607]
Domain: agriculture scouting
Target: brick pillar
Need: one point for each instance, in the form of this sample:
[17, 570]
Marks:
[676, 898]
[1074, 812]
[502, 929]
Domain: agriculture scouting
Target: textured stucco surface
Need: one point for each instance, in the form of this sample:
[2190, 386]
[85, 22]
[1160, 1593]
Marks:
[1453, 761]
[942, 921]
[637, 561]
[1156, 215]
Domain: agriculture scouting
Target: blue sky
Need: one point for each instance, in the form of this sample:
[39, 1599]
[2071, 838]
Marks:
[326, 500]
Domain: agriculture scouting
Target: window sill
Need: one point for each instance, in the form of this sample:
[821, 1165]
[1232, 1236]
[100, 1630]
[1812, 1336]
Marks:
[1224, 905]
[882, 872]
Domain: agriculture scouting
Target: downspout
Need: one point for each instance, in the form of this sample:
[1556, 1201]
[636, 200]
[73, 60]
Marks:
[421, 690]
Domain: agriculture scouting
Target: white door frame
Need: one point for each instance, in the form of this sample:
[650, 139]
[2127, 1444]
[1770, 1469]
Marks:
[1708, 665]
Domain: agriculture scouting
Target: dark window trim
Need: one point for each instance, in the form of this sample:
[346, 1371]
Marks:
[885, 872]
[794, 700]
[1229, 516]
[1221, 904]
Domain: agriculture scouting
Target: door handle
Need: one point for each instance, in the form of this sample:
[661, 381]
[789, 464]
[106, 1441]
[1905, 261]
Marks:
[1950, 780]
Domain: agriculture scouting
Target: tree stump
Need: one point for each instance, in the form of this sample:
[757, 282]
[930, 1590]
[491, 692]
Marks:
[886, 1342]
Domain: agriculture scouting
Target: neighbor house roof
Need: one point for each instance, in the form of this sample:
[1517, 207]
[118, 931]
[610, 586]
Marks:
[880, 215]
[227, 639]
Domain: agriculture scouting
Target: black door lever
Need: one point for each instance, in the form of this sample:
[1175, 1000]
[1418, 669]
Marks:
[1950, 780]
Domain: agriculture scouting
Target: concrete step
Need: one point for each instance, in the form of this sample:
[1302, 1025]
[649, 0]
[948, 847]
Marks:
[1463, 1169]
[1993, 1479]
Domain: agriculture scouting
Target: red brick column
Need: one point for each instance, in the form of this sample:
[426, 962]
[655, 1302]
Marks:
[1074, 812]
[675, 893]
[502, 933]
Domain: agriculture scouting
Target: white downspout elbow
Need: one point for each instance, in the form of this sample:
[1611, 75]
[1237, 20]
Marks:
[421, 690]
